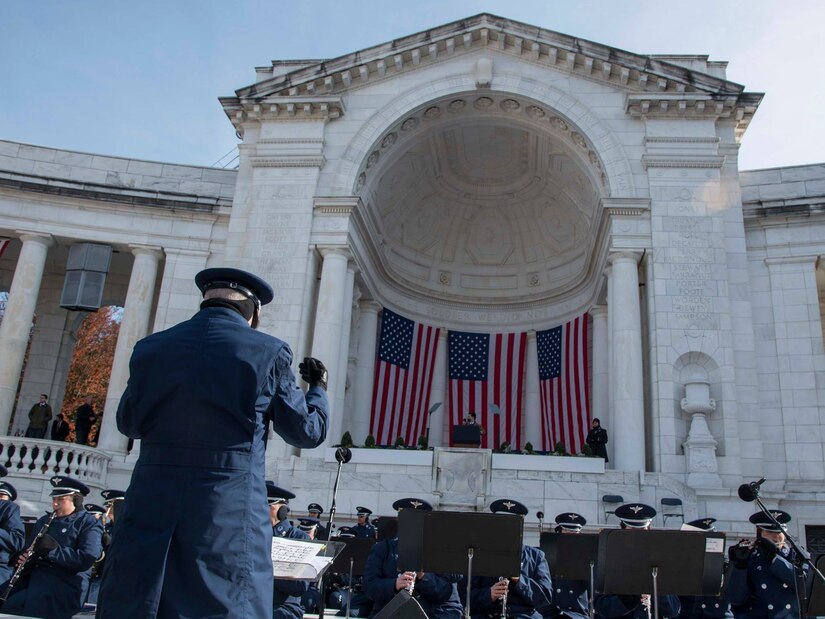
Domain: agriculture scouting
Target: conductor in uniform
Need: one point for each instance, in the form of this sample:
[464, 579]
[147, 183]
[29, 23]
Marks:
[12, 530]
[63, 557]
[200, 397]
[763, 581]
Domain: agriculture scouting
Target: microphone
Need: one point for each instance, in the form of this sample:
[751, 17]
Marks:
[344, 455]
[749, 492]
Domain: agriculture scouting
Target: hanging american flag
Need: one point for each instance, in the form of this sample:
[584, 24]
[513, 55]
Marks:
[3, 244]
[487, 378]
[563, 388]
[403, 378]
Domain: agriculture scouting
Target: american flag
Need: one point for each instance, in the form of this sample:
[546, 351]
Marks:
[563, 388]
[3, 244]
[403, 378]
[487, 378]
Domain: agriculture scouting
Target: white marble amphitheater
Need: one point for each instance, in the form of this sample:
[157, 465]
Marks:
[484, 175]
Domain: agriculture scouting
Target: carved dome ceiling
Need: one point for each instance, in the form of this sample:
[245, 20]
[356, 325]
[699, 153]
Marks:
[483, 200]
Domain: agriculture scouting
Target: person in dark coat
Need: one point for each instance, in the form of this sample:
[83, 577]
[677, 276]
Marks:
[763, 580]
[363, 528]
[570, 597]
[12, 530]
[60, 429]
[84, 419]
[287, 593]
[597, 439]
[39, 417]
[200, 397]
[636, 516]
[437, 593]
[63, 557]
[529, 595]
[704, 606]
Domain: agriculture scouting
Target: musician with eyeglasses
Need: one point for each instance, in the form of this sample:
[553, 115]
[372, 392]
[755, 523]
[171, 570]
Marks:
[526, 596]
[62, 557]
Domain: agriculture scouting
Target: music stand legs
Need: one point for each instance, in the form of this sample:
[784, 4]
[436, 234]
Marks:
[469, 582]
[655, 572]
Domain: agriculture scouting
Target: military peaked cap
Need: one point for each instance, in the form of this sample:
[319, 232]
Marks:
[110, 496]
[764, 523]
[315, 507]
[66, 485]
[571, 521]
[9, 490]
[274, 494]
[635, 515]
[363, 511]
[412, 504]
[345, 532]
[706, 524]
[508, 506]
[247, 283]
[92, 508]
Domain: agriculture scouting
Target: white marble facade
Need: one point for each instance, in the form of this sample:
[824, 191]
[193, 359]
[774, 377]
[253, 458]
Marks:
[483, 177]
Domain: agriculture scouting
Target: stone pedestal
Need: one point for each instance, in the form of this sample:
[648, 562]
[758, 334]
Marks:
[700, 446]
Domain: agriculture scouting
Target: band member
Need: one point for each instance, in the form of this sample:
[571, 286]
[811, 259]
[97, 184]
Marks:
[287, 593]
[569, 596]
[635, 516]
[111, 500]
[12, 530]
[437, 593]
[340, 588]
[201, 397]
[315, 510]
[525, 596]
[704, 607]
[363, 528]
[763, 581]
[98, 512]
[62, 559]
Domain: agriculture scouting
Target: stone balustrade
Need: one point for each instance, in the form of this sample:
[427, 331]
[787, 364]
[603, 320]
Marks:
[41, 459]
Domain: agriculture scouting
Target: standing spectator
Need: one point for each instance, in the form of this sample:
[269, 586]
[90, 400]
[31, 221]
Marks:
[60, 429]
[597, 439]
[39, 417]
[84, 418]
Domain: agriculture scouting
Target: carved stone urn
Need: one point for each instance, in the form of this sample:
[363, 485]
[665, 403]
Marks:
[700, 446]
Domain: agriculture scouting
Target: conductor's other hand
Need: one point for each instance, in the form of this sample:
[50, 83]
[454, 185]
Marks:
[44, 545]
[313, 372]
[740, 555]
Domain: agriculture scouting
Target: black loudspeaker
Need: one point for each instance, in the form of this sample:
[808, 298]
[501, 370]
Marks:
[402, 606]
[86, 271]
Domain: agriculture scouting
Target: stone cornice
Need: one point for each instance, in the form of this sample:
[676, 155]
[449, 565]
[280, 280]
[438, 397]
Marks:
[707, 161]
[287, 162]
[279, 108]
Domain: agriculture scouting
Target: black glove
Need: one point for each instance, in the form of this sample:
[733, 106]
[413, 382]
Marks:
[313, 372]
[740, 555]
[768, 548]
[45, 545]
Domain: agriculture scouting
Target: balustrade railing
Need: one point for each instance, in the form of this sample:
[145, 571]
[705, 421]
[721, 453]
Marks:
[41, 459]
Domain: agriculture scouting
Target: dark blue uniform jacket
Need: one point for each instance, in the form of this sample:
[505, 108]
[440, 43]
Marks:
[199, 397]
[570, 598]
[57, 582]
[437, 594]
[364, 530]
[704, 607]
[531, 596]
[12, 539]
[630, 606]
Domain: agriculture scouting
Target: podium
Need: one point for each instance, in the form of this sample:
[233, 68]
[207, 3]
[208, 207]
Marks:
[466, 436]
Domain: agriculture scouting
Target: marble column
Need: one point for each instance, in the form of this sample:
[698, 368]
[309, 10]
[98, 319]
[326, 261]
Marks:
[627, 423]
[600, 363]
[179, 297]
[133, 326]
[365, 370]
[329, 320]
[17, 321]
[608, 416]
[438, 393]
[532, 401]
[339, 424]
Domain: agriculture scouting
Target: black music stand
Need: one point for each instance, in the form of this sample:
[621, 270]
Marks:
[460, 542]
[634, 561]
[402, 606]
[466, 436]
[816, 601]
[572, 556]
[352, 560]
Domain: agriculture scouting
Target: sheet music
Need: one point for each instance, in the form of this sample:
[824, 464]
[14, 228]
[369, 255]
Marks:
[295, 559]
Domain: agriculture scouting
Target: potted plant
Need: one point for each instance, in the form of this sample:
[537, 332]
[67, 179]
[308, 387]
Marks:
[346, 440]
[369, 442]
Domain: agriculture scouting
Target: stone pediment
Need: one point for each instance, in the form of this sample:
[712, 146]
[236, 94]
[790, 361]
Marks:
[655, 85]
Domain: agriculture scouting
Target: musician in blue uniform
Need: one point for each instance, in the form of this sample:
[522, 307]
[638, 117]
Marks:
[99, 513]
[63, 558]
[529, 594]
[763, 582]
[315, 510]
[707, 606]
[635, 605]
[287, 593]
[12, 530]
[200, 397]
[570, 597]
[363, 528]
[437, 593]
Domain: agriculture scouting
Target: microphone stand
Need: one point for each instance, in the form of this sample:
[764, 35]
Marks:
[342, 455]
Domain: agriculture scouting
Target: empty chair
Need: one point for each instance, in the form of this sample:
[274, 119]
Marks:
[611, 502]
[672, 508]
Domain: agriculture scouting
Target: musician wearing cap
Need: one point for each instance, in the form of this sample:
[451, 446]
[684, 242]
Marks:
[704, 607]
[62, 558]
[363, 528]
[437, 593]
[763, 579]
[569, 596]
[315, 510]
[528, 595]
[638, 517]
[201, 397]
[12, 530]
[287, 594]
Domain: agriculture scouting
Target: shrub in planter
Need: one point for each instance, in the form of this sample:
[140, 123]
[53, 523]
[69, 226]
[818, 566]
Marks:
[369, 442]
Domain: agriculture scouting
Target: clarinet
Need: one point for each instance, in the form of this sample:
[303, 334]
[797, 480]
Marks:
[27, 555]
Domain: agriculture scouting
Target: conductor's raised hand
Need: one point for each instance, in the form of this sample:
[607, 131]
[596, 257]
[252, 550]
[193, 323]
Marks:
[313, 372]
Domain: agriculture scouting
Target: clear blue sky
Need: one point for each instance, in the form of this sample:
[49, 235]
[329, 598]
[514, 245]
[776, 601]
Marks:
[141, 79]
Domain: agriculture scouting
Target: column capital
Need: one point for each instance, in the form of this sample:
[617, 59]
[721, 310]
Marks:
[146, 250]
[335, 251]
[624, 256]
[598, 310]
[177, 251]
[47, 240]
[369, 305]
[809, 259]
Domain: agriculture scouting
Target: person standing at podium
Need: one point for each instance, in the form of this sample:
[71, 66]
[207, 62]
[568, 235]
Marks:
[569, 596]
[636, 516]
[528, 595]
